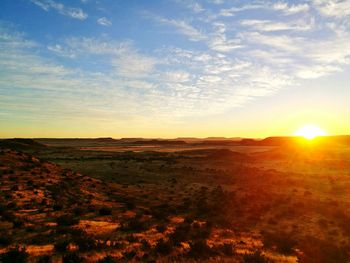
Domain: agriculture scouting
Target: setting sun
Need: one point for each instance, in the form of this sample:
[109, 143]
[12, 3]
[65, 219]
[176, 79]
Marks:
[310, 132]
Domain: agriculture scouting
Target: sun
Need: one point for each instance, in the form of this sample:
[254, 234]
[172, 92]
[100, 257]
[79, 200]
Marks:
[310, 132]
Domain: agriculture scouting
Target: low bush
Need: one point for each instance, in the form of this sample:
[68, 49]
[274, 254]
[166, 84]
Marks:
[134, 224]
[85, 243]
[57, 207]
[256, 257]
[67, 220]
[5, 239]
[105, 211]
[45, 259]
[78, 211]
[61, 245]
[180, 234]
[200, 249]
[108, 259]
[284, 242]
[163, 247]
[72, 257]
[15, 255]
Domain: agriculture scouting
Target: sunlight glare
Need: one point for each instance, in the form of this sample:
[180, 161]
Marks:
[310, 132]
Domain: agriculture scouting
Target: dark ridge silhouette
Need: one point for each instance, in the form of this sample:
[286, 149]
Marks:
[159, 142]
[20, 144]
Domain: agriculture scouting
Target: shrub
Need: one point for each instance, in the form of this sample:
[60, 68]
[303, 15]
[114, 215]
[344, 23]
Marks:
[256, 257]
[180, 234]
[105, 211]
[5, 239]
[57, 207]
[62, 245]
[15, 255]
[201, 232]
[131, 238]
[199, 249]
[12, 205]
[45, 259]
[284, 242]
[161, 228]
[67, 220]
[8, 216]
[323, 251]
[227, 249]
[17, 222]
[134, 224]
[129, 255]
[15, 188]
[145, 244]
[78, 211]
[108, 259]
[91, 208]
[30, 183]
[163, 247]
[85, 243]
[2, 208]
[72, 257]
[130, 205]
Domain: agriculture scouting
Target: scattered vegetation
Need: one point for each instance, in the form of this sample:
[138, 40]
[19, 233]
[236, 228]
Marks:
[215, 205]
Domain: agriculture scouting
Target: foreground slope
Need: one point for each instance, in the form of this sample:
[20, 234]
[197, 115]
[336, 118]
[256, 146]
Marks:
[53, 213]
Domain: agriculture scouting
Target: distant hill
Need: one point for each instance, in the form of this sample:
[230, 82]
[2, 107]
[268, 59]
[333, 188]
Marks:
[159, 142]
[22, 144]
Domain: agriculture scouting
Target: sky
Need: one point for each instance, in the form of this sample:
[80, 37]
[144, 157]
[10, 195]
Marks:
[173, 68]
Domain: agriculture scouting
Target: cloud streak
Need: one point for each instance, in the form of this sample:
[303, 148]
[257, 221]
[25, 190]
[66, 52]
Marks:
[182, 27]
[103, 21]
[47, 5]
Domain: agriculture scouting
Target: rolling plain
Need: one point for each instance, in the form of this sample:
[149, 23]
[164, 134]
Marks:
[280, 199]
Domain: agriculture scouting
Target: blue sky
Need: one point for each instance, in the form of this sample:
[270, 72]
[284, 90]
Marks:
[171, 68]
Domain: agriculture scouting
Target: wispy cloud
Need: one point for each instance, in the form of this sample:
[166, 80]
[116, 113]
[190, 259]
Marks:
[270, 26]
[290, 9]
[183, 28]
[216, 2]
[281, 42]
[192, 5]
[219, 42]
[59, 50]
[227, 12]
[73, 12]
[333, 8]
[103, 21]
